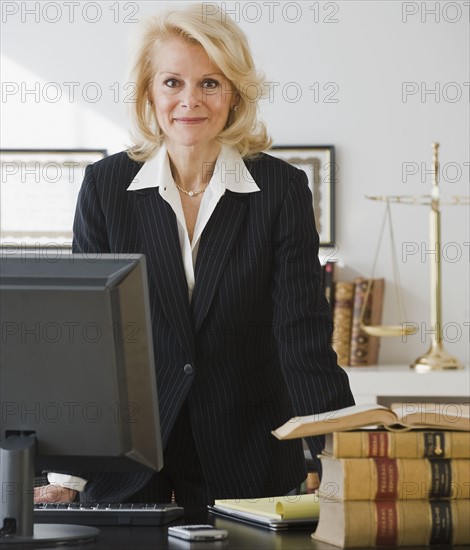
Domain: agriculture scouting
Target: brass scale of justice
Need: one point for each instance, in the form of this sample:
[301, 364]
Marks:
[436, 358]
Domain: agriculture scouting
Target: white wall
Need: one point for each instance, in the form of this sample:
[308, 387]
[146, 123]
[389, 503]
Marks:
[364, 50]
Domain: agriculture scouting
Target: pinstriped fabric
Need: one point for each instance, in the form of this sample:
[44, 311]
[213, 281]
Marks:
[258, 330]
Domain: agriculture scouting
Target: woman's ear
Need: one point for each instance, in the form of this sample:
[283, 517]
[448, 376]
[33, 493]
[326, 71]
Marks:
[235, 104]
[150, 100]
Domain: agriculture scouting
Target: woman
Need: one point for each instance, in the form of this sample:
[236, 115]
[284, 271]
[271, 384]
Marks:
[240, 325]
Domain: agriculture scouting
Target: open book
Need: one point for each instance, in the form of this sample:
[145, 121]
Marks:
[441, 416]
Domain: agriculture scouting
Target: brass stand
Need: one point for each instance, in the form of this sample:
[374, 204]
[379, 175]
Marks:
[436, 358]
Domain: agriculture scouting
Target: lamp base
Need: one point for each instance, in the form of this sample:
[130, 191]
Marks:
[436, 359]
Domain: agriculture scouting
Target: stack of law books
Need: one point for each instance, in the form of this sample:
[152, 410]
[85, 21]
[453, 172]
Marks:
[406, 485]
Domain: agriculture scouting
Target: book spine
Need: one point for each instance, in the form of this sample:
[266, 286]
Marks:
[376, 309]
[342, 320]
[412, 444]
[398, 523]
[396, 478]
[328, 286]
[364, 348]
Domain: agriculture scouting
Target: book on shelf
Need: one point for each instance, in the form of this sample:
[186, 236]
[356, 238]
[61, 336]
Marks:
[328, 271]
[342, 320]
[353, 524]
[405, 444]
[367, 309]
[394, 478]
[405, 416]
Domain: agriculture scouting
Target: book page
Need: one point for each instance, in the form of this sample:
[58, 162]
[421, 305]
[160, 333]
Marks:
[348, 418]
[305, 507]
[284, 507]
[437, 415]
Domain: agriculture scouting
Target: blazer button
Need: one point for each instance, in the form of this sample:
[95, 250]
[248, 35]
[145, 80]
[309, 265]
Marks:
[188, 369]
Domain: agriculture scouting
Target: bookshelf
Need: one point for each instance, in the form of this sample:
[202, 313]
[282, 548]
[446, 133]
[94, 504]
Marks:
[385, 384]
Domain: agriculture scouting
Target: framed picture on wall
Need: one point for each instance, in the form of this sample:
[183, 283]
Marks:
[39, 189]
[318, 162]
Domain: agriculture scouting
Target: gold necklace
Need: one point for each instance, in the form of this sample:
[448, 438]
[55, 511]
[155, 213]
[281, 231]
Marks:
[191, 193]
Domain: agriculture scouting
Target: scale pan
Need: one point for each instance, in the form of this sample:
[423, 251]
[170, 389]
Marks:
[389, 330]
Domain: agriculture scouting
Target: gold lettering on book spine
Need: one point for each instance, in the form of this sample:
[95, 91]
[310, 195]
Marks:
[378, 445]
[387, 478]
[441, 522]
[441, 478]
[434, 444]
[387, 523]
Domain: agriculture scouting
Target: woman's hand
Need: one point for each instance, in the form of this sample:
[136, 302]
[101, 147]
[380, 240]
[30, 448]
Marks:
[53, 493]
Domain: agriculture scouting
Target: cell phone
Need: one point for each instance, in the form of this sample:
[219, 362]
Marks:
[197, 532]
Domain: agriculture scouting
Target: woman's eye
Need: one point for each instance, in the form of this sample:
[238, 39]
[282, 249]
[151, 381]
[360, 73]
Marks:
[171, 82]
[210, 84]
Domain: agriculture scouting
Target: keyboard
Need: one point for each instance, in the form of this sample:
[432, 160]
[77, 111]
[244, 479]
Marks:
[107, 514]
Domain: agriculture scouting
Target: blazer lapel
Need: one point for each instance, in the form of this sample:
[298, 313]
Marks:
[217, 240]
[158, 228]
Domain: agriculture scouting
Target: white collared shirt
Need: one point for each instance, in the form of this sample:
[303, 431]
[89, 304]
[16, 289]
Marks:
[230, 173]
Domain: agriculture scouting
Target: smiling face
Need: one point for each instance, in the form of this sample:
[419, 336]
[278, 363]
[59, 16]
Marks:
[192, 98]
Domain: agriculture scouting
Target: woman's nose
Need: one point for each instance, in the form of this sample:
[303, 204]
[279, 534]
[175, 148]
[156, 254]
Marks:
[191, 97]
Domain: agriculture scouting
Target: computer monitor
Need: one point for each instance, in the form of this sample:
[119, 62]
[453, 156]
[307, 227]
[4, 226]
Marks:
[77, 372]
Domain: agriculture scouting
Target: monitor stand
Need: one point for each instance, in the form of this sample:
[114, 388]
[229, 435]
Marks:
[17, 454]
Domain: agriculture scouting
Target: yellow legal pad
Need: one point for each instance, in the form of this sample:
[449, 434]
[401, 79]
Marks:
[272, 512]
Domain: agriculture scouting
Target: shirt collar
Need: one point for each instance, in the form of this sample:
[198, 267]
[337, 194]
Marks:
[230, 173]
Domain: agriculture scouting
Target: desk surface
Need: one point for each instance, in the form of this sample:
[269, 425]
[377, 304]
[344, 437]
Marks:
[241, 537]
[372, 384]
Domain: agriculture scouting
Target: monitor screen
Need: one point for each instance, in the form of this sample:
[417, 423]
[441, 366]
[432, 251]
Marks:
[77, 366]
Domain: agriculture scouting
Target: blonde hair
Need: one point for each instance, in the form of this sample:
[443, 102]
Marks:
[227, 47]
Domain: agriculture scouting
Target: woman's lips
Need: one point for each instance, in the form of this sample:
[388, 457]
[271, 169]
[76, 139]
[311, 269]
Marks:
[189, 120]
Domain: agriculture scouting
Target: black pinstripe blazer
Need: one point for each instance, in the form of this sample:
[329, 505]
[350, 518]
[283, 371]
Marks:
[257, 333]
